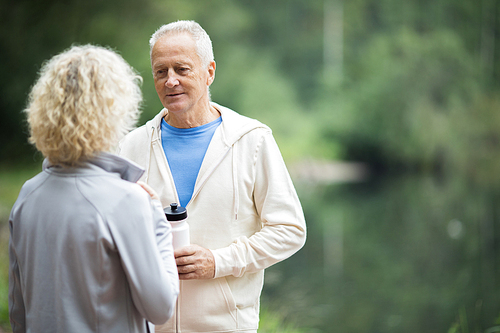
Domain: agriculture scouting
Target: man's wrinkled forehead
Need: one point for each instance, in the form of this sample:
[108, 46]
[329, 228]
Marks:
[185, 49]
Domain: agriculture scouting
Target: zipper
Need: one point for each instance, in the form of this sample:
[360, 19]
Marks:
[167, 174]
[177, 316]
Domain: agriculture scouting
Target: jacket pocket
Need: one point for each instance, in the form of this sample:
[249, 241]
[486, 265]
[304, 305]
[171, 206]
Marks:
[206, 306]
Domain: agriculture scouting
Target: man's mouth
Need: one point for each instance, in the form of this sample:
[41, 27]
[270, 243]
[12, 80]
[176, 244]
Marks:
[174, 94]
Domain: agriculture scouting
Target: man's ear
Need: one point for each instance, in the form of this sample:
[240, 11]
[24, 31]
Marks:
[211, 73]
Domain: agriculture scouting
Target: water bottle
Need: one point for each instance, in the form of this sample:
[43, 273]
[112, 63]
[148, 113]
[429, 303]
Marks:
[177, 216]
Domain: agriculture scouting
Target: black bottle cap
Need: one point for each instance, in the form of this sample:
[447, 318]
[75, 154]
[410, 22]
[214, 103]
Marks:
[175, 212]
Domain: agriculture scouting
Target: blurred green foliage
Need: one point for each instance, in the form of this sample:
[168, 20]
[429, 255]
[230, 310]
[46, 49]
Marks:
[415, 86]
[401, 85]
[399, 254]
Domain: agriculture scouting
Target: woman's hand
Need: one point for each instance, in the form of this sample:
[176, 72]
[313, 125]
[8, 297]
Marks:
[152, 193]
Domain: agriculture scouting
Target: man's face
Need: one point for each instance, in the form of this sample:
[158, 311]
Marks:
[181, 80]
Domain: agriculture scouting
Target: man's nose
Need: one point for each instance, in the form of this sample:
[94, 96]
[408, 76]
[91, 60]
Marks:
[172, 80]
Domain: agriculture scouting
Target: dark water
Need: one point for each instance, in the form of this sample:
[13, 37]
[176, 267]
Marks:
[406, 254]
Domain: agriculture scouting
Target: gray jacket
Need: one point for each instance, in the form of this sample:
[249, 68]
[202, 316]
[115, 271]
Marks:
[89, 252]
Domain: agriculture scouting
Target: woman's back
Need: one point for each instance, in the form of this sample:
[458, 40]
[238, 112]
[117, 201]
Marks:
[76, 234]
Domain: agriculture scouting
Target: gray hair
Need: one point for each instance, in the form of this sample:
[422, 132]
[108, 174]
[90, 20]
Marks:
[199, 35]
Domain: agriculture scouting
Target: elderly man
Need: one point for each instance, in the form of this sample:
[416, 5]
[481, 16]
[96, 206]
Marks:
[226, 169]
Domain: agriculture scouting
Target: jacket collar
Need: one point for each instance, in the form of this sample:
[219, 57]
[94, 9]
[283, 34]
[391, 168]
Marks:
[233, 125]
[126, 169]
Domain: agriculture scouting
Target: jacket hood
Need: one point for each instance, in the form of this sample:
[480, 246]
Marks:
[233, 125]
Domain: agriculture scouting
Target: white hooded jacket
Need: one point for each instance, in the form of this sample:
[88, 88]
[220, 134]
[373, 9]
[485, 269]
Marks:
[244, 209]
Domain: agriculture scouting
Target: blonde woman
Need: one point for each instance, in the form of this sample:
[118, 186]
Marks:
[90, 250]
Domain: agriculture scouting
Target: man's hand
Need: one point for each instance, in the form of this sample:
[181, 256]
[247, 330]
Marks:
[195, 262]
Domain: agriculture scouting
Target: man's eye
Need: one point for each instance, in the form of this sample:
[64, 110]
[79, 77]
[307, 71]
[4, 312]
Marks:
[160, 72]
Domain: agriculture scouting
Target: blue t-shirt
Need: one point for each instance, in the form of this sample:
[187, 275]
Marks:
[185, 149]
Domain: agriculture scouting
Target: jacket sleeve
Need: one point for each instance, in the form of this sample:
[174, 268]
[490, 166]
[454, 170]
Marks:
[145, 247]
[17, 311]
[164, 242]
[283, 224]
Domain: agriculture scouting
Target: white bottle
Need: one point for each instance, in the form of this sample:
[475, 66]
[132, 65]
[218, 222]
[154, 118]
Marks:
[177, 216]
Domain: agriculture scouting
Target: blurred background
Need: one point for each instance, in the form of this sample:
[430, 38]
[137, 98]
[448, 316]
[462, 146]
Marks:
[386, 112]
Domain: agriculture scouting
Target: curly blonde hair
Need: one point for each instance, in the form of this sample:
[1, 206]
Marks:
[85, 100]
